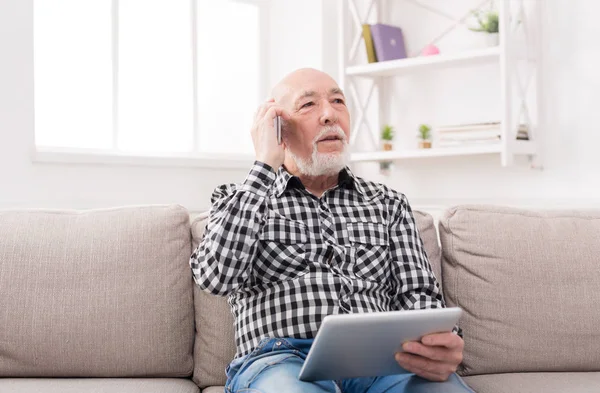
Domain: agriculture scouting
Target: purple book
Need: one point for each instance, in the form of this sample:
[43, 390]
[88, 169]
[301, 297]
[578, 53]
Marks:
[388, 42]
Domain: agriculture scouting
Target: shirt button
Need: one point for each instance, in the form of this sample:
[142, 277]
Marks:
[278, 343]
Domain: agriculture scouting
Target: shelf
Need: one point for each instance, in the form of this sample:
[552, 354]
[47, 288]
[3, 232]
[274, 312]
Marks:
[423, 153]
[413, 64]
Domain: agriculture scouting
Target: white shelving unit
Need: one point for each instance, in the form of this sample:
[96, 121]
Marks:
[515, 25]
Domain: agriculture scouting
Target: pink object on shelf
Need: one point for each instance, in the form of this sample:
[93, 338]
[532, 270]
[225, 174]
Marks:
[430, 50]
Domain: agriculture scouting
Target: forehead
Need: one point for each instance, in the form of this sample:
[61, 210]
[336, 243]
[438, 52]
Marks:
[308, 92]
[304, 83]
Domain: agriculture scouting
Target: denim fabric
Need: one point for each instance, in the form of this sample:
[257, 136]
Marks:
[274, 365]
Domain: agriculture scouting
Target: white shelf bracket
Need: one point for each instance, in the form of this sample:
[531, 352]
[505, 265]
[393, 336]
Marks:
[520, 25]
[358, 22]
[361, 108]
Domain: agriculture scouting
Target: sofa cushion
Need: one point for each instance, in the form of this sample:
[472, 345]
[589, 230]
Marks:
[214, 389]
[576, 382]
[528, 283]
[96, 293]
[214, 347]
[97, 385]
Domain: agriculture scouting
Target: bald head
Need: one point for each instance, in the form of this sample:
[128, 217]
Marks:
[294, 85]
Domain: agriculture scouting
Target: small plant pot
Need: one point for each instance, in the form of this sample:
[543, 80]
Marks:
[385, 167]
[482, 40]
[425, 144]
[387, 146]
[492, 39]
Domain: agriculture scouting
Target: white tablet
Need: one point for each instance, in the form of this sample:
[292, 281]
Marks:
[364, 344]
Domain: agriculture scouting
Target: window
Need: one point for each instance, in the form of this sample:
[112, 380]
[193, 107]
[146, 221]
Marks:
[147, 76]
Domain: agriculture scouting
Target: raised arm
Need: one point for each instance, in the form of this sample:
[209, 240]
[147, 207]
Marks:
[223, 259]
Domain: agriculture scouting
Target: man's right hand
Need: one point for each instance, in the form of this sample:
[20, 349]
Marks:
[264, 135]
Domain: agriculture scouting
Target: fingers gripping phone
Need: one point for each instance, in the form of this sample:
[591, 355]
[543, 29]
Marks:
[277, 125]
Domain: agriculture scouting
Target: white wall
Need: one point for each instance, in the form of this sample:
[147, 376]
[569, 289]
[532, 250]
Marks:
[295, 31]
[27, 184]
[571, 91]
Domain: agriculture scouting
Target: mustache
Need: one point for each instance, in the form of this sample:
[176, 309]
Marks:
[335, 129]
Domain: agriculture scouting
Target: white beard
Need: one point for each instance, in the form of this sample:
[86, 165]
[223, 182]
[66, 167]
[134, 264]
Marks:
[323, 164]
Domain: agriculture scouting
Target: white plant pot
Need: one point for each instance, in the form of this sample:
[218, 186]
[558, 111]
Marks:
[482, 40]
[492, 39]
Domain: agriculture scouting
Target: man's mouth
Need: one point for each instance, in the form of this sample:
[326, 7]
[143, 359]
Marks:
[330, 138]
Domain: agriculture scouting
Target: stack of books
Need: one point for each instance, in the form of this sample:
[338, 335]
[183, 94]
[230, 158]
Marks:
[383, 42]
[473, 134]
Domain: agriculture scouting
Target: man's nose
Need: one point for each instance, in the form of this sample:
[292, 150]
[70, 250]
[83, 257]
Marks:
[328, 115]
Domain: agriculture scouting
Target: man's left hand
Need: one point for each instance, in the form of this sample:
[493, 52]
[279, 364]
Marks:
[435, 358]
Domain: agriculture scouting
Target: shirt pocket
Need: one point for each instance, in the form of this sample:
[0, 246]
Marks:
[369, 251]
[282, 250]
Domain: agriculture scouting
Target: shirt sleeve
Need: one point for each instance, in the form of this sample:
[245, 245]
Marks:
[222, 261]
[415, 280]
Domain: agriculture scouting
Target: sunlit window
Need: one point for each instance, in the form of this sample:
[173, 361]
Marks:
[145, 76]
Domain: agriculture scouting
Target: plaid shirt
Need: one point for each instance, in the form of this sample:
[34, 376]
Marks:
[287, 259]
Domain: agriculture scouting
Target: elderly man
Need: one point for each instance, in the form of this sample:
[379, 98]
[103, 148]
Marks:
[303, 237]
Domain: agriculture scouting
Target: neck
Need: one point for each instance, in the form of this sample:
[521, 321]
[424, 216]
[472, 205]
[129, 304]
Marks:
[316, 185]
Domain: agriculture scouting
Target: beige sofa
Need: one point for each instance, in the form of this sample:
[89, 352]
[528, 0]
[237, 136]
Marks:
[104, 301]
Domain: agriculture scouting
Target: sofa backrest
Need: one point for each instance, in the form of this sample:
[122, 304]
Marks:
[214, 346]
[528, 283]
[97, 293]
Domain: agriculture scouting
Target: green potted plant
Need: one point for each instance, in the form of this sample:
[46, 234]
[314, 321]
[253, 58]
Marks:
[385, 167]
[387, 135]
[488, 23]
[424, 136]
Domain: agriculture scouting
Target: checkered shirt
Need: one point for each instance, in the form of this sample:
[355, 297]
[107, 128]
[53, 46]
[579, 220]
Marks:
[286, 259]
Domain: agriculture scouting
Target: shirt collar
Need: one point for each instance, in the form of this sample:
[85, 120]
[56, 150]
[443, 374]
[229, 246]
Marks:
[286, 180]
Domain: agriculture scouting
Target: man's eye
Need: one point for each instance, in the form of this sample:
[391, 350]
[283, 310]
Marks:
[310, 103]
[338, 101]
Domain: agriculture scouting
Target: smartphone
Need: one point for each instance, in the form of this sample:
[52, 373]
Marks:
[277, 126]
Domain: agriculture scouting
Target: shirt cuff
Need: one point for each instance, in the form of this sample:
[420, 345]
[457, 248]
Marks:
[260, 179]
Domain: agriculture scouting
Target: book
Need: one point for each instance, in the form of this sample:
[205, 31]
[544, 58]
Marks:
[467, 143]
[468, 128]
[470, 137]
[474, 134]
[388, 42]
[523, 133]
[366, 32]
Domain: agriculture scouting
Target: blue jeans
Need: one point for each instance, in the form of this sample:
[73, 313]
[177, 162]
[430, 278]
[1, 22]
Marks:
[274, 366]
